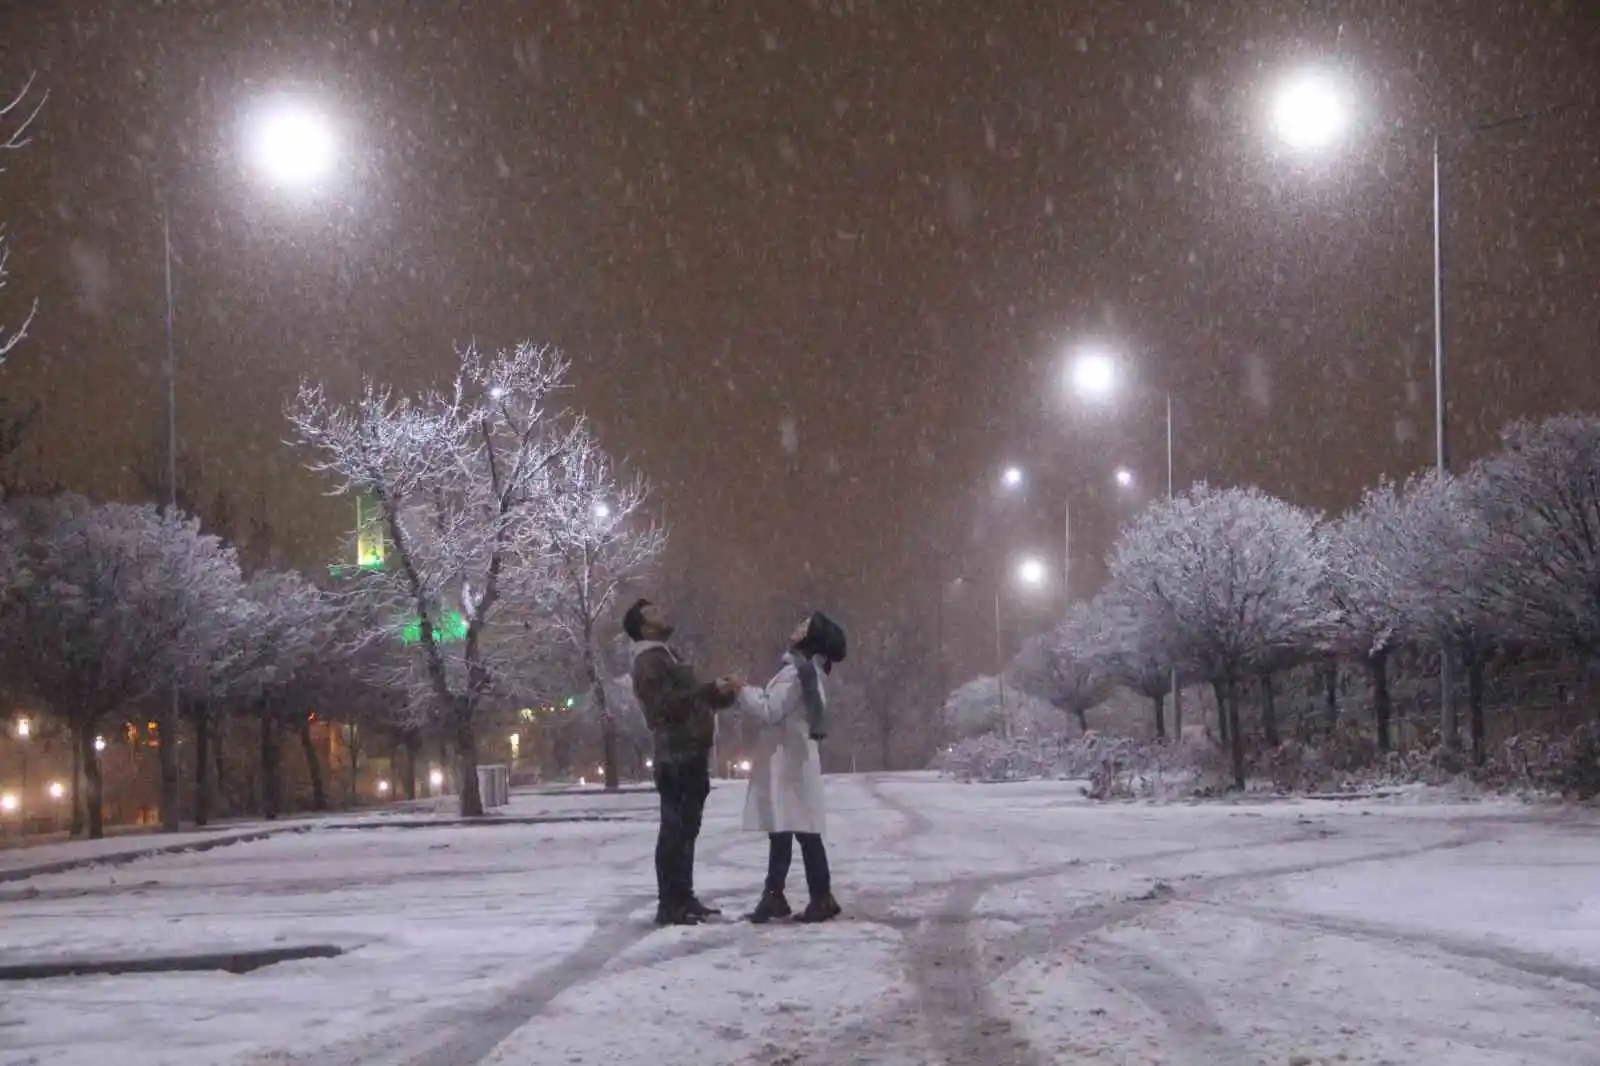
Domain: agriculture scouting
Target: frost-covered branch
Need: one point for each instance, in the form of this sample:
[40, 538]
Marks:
[16, 121]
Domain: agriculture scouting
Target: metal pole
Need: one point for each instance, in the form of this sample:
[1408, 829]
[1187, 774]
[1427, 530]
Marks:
[1000, 667]
[1066, 551]
[169, 729]
[938, 625]
[172, 366]
[1447, 707]
[1174, 683]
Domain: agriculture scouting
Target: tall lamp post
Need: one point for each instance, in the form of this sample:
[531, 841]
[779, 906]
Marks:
[1093, 375]
[1311, 112]
[292, 146]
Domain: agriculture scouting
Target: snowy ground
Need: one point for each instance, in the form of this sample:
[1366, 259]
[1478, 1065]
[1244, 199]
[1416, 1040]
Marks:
[987, 926]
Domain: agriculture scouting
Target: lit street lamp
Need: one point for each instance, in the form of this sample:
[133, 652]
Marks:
[24, 731]
[291, 145]
[1030, 574]
[1012, 479]
[1311, 111]
[1124, 477]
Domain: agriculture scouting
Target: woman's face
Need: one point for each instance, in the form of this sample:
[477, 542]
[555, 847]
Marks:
[800, 630]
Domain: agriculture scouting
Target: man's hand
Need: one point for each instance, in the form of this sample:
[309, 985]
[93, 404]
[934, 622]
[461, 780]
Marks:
[730, 684]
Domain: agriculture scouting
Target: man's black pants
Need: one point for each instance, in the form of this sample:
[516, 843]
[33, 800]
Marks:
[684, 783]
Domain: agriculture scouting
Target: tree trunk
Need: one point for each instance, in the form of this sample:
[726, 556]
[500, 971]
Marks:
[1159, 700]
[1177, 706]
[219, 773]
[1235, 735]
[1474, 663]
[413, 746]
[1218, 690]
[91, 777]
[319, 792]
[355, 770]
[1382, 702]
[467, 761]
[167, 752]
[1330, 695]
[201, 715]
[75, 829]
[885, 742]
[1269, 711]
[269, 766]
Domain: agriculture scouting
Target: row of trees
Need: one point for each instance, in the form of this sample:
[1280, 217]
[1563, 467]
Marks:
[509, 534]
[1234, 585]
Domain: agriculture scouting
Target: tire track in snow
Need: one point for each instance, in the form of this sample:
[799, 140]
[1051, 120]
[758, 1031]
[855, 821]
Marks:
[1530, 963]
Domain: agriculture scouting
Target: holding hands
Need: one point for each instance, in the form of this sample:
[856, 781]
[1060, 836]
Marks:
[730, 684]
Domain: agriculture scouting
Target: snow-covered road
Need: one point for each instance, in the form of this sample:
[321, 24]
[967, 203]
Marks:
[987, 926]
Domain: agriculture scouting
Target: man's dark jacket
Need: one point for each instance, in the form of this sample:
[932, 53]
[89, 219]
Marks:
[679, 708]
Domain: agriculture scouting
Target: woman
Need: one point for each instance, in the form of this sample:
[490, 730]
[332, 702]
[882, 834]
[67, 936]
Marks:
[785, 796]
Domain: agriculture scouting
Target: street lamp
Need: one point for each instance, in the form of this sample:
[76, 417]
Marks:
[1124, 478]
[1013, 479]
[1310, 112]
[1094, 374]
[602, 511]
[24, 731]
[292, 145]
[1031, 574]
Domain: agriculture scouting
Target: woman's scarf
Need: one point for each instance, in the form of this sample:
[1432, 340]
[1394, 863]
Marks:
[811, 695]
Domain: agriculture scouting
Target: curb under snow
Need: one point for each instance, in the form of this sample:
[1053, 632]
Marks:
[120, 858]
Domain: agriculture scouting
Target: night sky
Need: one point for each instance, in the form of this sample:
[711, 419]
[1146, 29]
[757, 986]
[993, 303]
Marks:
[817, 263]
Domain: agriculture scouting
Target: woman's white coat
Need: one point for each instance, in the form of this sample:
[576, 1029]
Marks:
[785, 794]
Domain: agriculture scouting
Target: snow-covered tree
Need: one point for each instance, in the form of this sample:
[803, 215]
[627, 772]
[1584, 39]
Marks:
[16, 120]
[985, 706]
[600, 542]
[1451, 568]
[1225, 579]
[1059, 667]
[1367, 568]
[104, 604]
[463, 480]
[1540, 498]
[1129, 654]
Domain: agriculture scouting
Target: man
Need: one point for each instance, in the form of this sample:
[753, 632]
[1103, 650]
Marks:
[681, 713]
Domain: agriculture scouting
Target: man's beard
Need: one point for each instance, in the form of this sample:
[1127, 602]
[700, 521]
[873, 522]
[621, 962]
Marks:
[664, 631]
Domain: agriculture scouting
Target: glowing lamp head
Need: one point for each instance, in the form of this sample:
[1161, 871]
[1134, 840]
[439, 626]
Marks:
[1311, 111]
[744, 766]
[1094, 375]
[8, 802]
[383, 788]
[292, 145]
[436, 778]
[1012, 478]
[1031, 572]
[24, 728]
[57, 790]
[1124, 478]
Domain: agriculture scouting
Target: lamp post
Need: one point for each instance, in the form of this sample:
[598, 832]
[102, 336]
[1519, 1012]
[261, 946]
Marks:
[1093, 375]
[1311, 112]
[291, 145]
[24, 731]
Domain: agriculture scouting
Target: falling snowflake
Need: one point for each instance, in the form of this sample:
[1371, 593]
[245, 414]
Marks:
[789, 436]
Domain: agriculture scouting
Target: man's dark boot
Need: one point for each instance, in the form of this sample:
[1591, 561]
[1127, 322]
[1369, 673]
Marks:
[821, 909]
[675, 914]
[700, 910]
[772, 905]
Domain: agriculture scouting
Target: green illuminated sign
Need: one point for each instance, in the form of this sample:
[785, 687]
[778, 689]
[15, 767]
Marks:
[454, 629]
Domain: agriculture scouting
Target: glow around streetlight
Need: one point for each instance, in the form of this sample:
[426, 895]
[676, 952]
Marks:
[436, 778]
[1011, 477]
[24, 728]
[1031, 572]
[1094, 375]
[57, 790]
[8, 802]
[602, 511]
[292, 144]
[1124, 477]
[1310, 111]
